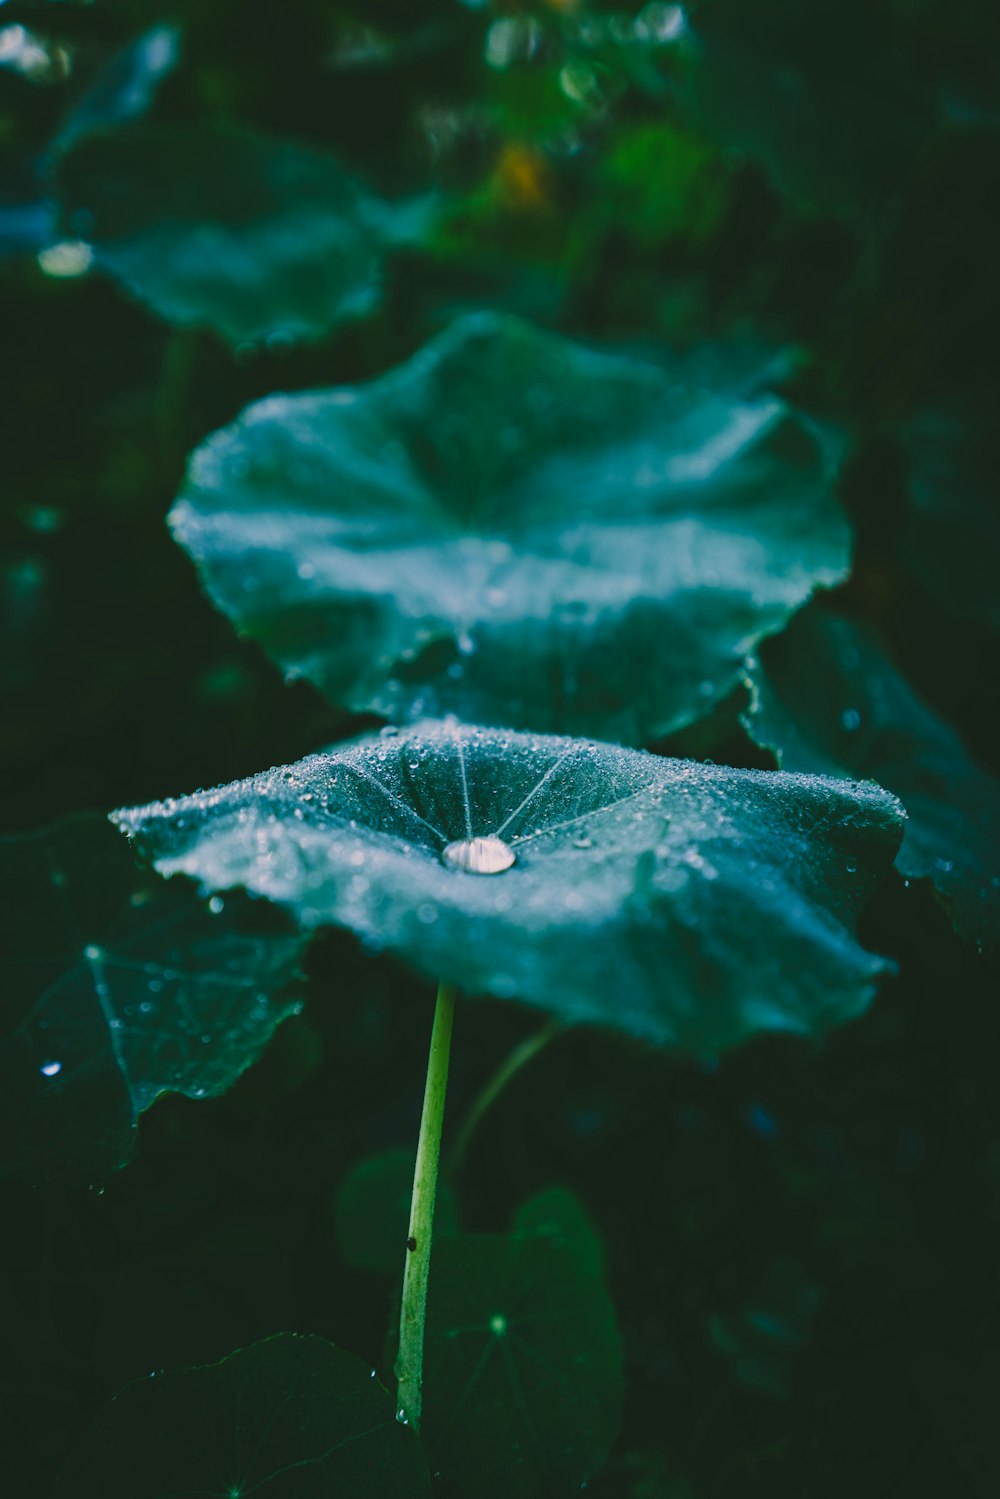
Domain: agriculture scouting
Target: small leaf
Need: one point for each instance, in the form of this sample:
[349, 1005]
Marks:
[691, 904]
[372, 1210]
[288, 1417]
[516, 530]
[522, 1366]
[116, 989]
[247, 234]
[558, 1214]
[826, 699]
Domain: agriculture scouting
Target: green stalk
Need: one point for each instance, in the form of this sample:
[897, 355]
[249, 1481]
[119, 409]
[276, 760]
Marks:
[410, 1358]
[522, 1054]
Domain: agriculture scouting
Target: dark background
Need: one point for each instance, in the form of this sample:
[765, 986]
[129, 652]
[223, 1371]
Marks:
[803, 1242]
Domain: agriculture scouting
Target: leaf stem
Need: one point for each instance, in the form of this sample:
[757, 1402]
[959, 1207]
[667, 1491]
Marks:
[523, 1053]
[410, 1358]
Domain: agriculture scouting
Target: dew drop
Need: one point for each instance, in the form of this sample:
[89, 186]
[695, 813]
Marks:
[216, 904]
[479, 855]
[50, 1069]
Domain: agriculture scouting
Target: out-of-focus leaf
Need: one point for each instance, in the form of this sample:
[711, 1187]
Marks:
[827, 700]
[116, 989]
[522, 1367]
[372, 1209]
[517, 530]
[558, 1214]
[289, 1417]
[251, 235]
[125, 88]
[691, 904]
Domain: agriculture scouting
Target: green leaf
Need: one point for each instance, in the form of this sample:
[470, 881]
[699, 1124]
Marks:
[372, 1209]
[691, 904]
[516, 530]
[288, 1417]
[522, 1366]
[558, 1214]
[250, 235]
[124, 89]
[827, 700]
[114, 989]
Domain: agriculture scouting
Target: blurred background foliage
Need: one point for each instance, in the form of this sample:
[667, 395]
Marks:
[803, 1245]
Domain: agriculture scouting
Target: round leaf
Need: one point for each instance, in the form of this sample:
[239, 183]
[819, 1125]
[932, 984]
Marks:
[516, 530]
[558, 1214]
[826, 699]
[247, 234]
[691, 904]
[290, 1417]
[114, 989]
[522, 1366]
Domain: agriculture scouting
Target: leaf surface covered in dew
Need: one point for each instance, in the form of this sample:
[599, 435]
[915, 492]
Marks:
[523, 1379]
[116, 988]
[827, 700]
[516, 530]
[691, 904]
[289, 1417]
[247, 234]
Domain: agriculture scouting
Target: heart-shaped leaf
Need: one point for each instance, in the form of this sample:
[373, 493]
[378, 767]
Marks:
[691, 904]
[372, 1210]
[826, 699]
[116, 989]
[558, 1214]
[516, 530]
[247, 234]
[288, 1417]
[522, 1367]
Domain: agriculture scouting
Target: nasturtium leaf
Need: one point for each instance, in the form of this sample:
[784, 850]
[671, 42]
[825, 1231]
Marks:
[290, 1418]
[522, 1366]
[517, 530]
[250, 235]
[115, 988]
[691, 904]
[827, 700]
[372, 1210]
[558, 1214]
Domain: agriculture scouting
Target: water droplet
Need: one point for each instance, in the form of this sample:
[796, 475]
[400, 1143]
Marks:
[479, 855]
[850, 719]
[92, 953]
[583, 842]
[49, 1069]
[216, 904]
[498, 1325]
